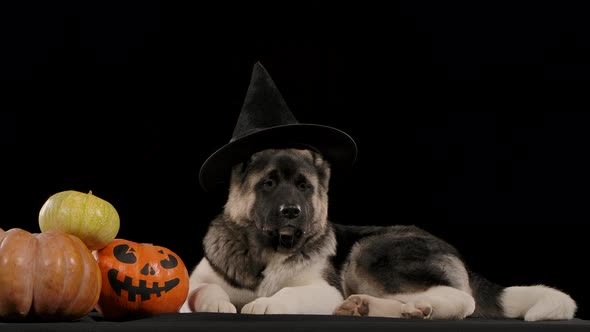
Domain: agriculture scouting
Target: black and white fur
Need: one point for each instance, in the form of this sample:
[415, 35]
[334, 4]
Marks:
[272, 250]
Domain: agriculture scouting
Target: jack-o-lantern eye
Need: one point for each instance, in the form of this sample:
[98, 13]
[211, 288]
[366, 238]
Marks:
[169, 263]
[124, 254]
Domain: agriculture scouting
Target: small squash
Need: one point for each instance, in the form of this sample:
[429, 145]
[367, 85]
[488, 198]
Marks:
[140, 279]
[92, 219]
[50, 276]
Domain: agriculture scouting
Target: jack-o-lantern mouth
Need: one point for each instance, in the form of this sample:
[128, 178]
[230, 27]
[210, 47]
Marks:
[141, 290]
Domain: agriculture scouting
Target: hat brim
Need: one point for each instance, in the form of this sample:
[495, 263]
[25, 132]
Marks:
[335, 145]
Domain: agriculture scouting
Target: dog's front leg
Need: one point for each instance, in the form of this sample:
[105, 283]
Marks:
[318, 298]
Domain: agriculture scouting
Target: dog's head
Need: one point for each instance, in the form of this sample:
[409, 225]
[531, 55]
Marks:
[283, 193]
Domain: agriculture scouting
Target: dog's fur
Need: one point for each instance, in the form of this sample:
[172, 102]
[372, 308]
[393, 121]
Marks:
[273, 250]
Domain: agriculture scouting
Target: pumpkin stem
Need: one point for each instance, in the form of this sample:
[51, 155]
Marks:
[90, 192]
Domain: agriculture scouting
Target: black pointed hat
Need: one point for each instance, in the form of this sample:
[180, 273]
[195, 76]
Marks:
[266, 122]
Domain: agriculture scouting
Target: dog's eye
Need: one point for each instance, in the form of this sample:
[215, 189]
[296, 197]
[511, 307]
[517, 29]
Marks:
[268, 183]
[302, 186]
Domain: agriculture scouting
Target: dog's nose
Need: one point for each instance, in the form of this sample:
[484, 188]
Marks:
[290, 211]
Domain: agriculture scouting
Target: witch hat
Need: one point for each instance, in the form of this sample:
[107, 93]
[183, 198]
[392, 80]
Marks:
[265, 122]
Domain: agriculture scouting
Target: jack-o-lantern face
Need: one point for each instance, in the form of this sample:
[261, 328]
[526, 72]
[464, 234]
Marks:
[125, 254]
[140, 279]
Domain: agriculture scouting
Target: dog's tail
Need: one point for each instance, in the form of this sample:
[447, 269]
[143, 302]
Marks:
[531, 303]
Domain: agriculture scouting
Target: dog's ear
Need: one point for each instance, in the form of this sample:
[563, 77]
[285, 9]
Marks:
[237, 172]
[240, 170]
[323, 169]
[244, 166]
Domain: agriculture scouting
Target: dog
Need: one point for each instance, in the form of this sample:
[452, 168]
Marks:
[273, 251]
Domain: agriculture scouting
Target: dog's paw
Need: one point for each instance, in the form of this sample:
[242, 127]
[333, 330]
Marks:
[354, 305]
[418, 309]
[217, 306]
[267, 305]
[210, 298]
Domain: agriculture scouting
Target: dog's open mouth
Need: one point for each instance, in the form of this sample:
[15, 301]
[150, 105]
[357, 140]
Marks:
[285, 238]
[289, 237]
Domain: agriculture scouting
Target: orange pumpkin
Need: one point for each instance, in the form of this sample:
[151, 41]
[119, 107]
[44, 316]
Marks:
[50, 276]
[140, 279]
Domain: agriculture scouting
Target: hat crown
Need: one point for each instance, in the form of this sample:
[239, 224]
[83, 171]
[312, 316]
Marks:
[263, 106]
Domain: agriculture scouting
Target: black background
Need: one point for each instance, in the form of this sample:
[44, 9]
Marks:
[470, 120]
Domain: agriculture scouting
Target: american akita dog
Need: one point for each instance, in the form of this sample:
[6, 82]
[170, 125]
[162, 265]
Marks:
[273, 250]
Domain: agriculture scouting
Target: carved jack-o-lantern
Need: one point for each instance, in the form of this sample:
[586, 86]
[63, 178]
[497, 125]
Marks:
[140, 279]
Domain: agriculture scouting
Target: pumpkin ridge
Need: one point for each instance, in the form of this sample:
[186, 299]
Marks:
[29, 279]
[45, 285]
[68, 279]
[75, 277]
[32, 312]
[91, 267]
